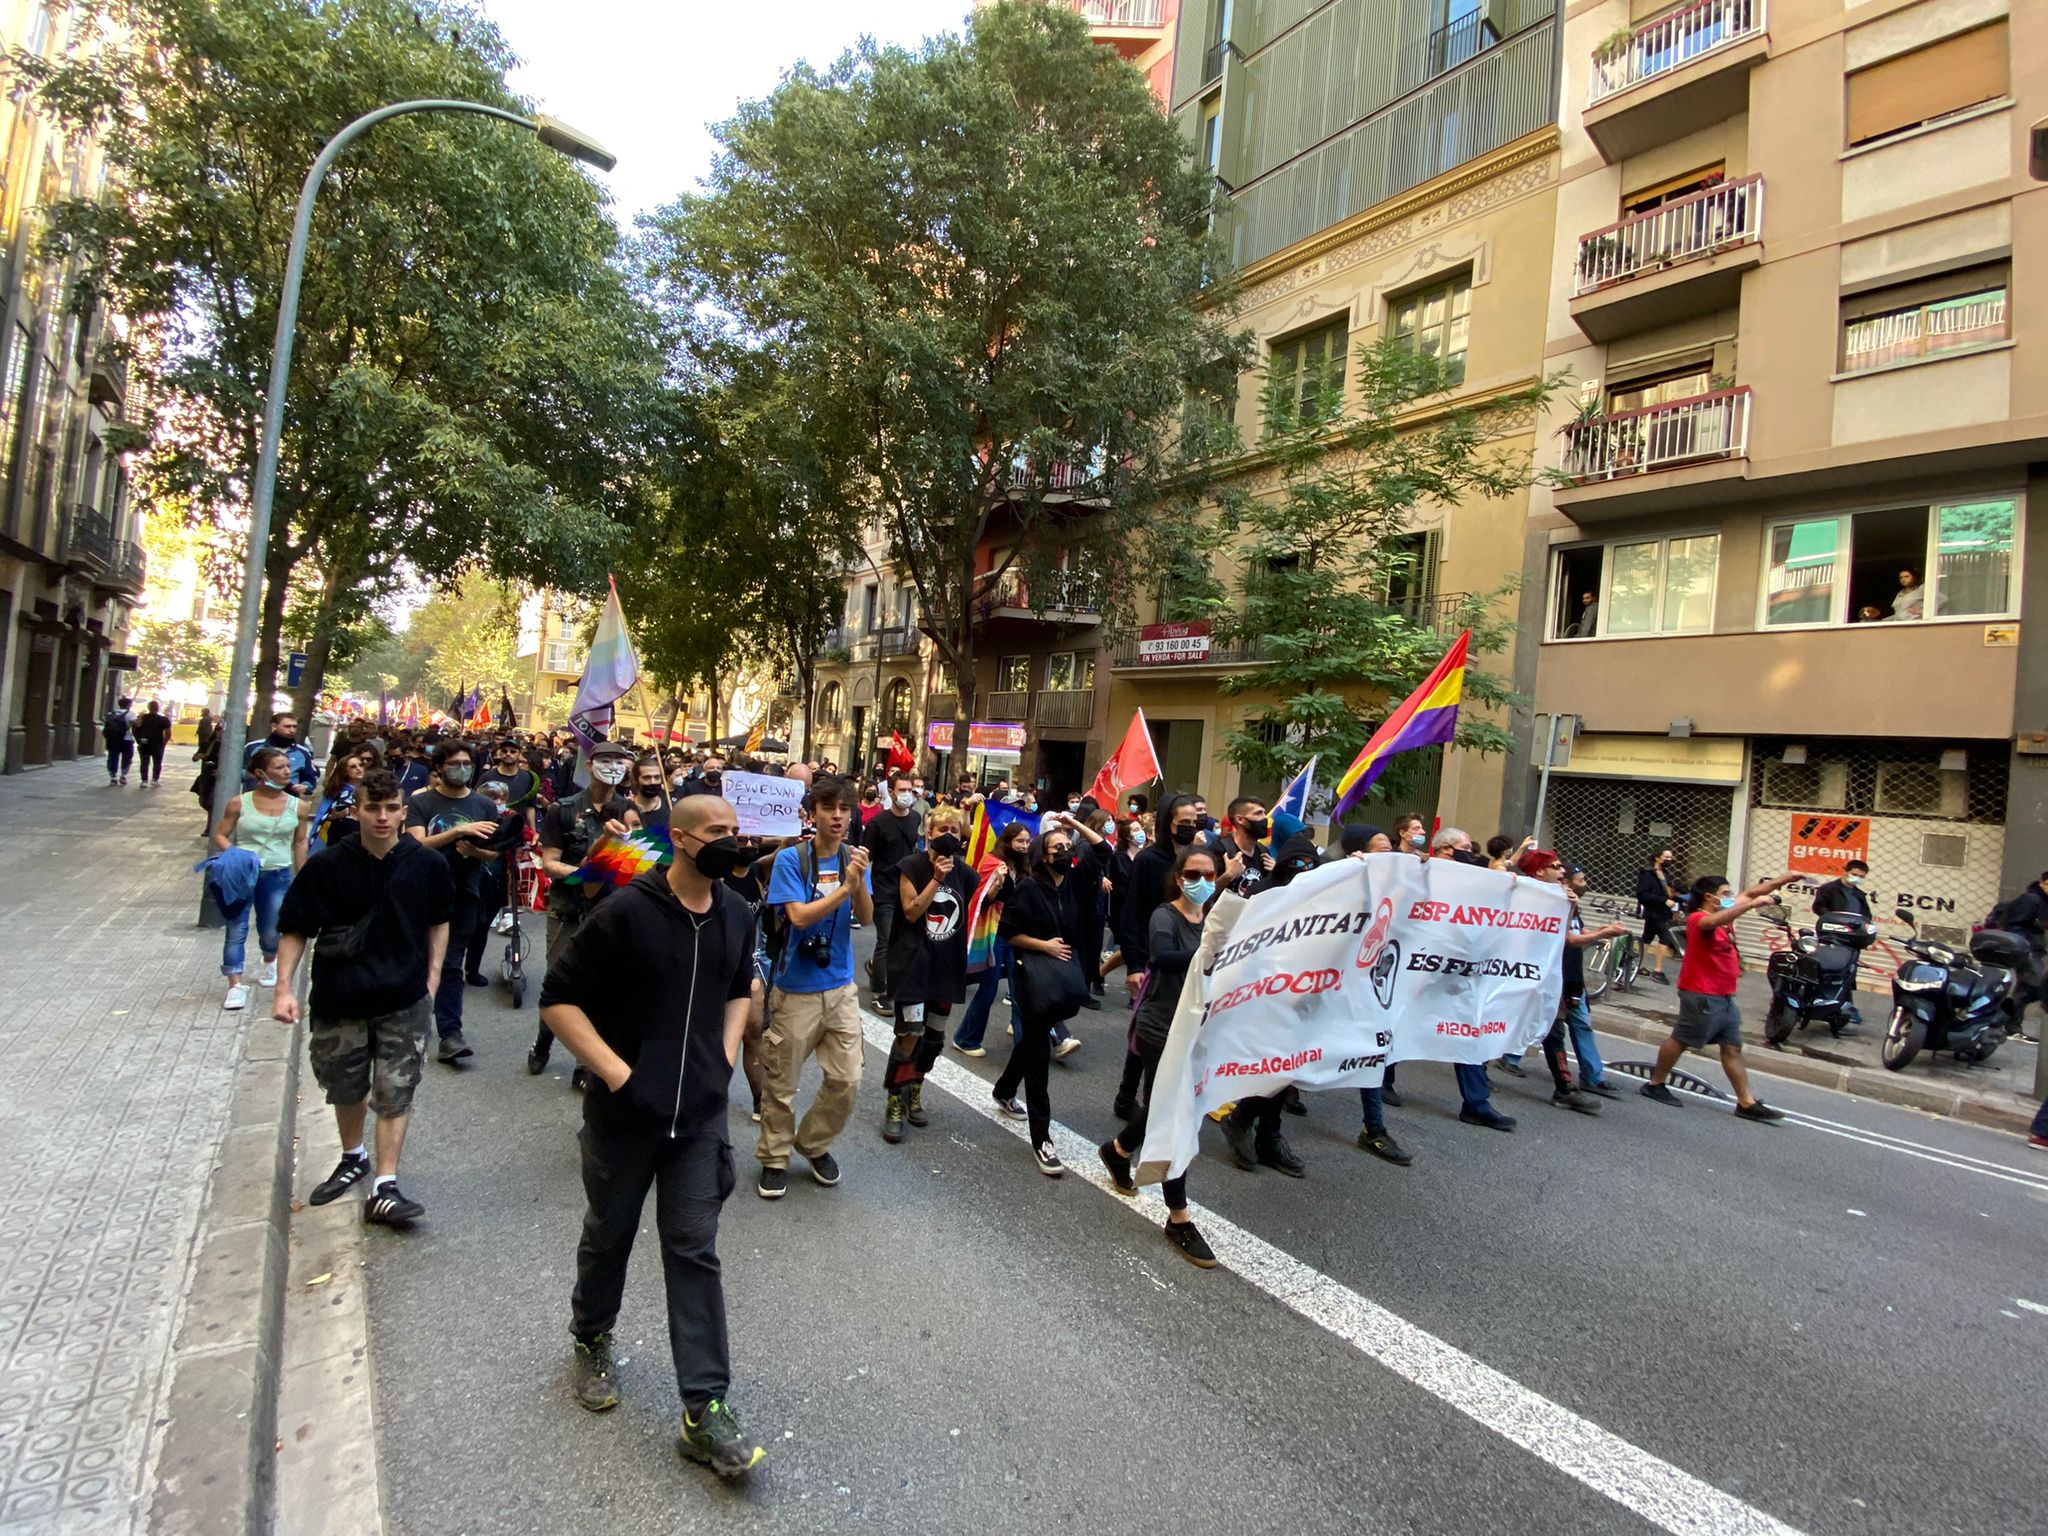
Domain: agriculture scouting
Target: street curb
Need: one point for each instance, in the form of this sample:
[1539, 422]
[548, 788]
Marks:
[1858, 1082]
[216, 1462]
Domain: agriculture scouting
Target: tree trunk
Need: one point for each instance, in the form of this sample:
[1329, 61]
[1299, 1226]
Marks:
[263, 682]
[321, 646]
[963, 671]
[806, 682]
[714, 725]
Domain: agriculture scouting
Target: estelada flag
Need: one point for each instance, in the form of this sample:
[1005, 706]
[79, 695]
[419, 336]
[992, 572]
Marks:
[1133, 763]
[991, 818]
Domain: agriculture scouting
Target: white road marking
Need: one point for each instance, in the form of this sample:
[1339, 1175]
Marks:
[1667, 1496]
[1886, 1142]
[2031, 1306]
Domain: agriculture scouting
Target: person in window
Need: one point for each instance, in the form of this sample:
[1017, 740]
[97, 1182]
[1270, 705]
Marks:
[1589, 615]
[1911, 598]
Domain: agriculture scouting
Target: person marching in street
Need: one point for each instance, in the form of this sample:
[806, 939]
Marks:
[819, 888]
[649, 993]
[152, 732]
[890, 837]
[1176, 935]
[1176, 825]
[568, 829]
[1039, 919]
[378, 903]
[1707, 1015]
[1000, 875]
[1660, 904]
[927, 966]
[1542, 864]
[269, 823]
[1578, 1016]
[451, 818]
[334, 815]
[1252, 1128]
[117, 730]
[284, 735]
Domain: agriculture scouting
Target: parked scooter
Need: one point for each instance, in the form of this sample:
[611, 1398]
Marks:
[1945, 1001]
[1813, 981]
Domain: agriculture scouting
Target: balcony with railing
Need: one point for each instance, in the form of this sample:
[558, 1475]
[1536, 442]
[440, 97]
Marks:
[1682, 259]
[900, 641]
[837, 643]
[1068, 597]
[130, 571]
[1128, 26]
[1699, 440]
[1439, 611]
[1008, 704]
[1673, 75]
[92, 539]
[1066, 708]
[1059, 480]
[109, 382]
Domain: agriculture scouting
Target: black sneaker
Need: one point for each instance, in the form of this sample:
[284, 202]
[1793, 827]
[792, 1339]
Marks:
[1577, 1103]
[1380, 1144]
[713, 1437]
[389, 1208]
[881, 1008]
[536, 1062]
[1392, 1095]
[1009, 1109]
[892, 1118]
[349, 1172]
[824, 1168]
[580, 1079]
[1492, 1119]
[1192, 1245]
[1512, 1068]
[1049, 1162]
[590, 1377]
[1661, 1094]
[476, 978]
[1658, 977]
[1277, 1154]
[1092, 1001]
[454, 1048]
[1292, 1103]
[913, 1105]
[1759, 1111]
[1119, 1167]
[1238, 1136]
[774, 1183]
[1604, 1088]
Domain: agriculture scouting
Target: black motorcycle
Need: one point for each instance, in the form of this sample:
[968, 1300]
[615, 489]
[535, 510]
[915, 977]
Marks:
[1946, 1001]
[1813, 980]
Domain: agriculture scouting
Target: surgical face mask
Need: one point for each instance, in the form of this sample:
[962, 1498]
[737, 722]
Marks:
[677, 780]
[1182, 836]
[608, 770]
[718, 857]
[1852, 879]
[1074, 805]
[946, 846]
[1727, 902]
[1416, 839]
[904, 799]
[456, 774]
[1199, 891]
[1138, 838]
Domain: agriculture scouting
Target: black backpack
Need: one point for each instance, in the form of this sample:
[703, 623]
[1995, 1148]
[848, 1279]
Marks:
[116, 727]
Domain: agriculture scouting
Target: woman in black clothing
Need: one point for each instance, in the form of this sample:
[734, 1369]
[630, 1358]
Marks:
[927, 965]
[1038, 918]
[1131, 838]
[1176, 933]
[1176, 826]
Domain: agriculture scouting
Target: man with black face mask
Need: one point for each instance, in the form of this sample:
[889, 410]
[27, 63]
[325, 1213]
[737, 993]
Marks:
[566, 833]
[1247, 862]
[650, 797]
[650, 994]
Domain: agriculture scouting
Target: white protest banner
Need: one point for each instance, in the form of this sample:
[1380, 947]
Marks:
[1347, 969]
[768, 806]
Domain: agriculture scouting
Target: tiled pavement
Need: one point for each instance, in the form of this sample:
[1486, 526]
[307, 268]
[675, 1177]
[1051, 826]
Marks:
[116, 1064]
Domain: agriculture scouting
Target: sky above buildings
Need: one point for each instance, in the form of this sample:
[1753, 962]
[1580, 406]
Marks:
[647, 77]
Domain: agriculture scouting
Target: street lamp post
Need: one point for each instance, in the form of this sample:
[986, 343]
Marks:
[558, 136]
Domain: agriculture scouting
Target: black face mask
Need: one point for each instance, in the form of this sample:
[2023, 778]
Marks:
[1207, 823]
[718, 858]
[714, 782]
[1183, 836]
[1257, 830]
[946, 847]
[1059, 863]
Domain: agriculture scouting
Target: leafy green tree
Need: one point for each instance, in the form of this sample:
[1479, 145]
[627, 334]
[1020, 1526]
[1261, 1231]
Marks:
[463, 636]
[176, 650]
[968, 264]
[472, 370]
[1330, 602]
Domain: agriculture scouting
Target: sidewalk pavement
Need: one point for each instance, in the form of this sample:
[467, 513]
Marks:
[1999, 1093]
[149, 1133]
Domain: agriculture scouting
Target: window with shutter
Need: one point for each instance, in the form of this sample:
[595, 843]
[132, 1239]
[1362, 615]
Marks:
[1929, 83]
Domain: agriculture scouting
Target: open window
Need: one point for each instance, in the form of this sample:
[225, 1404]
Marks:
[1893, 565]
[1659, 586]
[1671, 190]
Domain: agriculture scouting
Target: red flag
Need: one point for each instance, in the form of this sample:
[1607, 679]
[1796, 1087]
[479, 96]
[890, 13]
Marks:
[1133, 763]
[900, 760]
[483, 713]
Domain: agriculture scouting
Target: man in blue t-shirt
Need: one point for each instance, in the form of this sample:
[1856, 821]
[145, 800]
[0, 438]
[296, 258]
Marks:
[820, 888]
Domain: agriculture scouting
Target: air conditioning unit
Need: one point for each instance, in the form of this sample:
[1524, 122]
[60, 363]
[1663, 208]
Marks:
[1806, 786]
[1920, 789]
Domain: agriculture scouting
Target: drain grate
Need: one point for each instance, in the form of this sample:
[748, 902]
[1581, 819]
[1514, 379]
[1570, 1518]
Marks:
[1684, 1082]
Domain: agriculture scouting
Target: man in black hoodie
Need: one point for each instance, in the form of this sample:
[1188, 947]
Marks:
[650, 994]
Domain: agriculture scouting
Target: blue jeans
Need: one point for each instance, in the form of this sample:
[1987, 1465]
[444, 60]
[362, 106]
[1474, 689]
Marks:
[974, 1024]
[267, 899]
[1473, 1087]
[1375, 1109]
[1579, 1018]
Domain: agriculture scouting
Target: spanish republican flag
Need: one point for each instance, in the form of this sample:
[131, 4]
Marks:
[1428, 717]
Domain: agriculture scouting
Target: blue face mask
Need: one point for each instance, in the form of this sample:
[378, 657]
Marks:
[1727, 902]
[1199, 891]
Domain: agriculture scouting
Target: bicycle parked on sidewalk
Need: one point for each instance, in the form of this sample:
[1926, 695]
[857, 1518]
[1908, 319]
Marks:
[1616, 963]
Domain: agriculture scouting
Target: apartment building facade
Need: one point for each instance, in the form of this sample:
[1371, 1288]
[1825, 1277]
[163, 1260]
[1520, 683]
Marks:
[71, 559]
[1391, 169]
[874, 671]
[1780, 578]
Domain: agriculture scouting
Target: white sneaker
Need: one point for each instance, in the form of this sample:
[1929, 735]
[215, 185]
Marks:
[269, 976]
[238, 997]
[502, 923]
[1066, 1047]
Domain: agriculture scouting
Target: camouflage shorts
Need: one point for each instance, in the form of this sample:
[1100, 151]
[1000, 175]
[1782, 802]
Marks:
[344, 1050]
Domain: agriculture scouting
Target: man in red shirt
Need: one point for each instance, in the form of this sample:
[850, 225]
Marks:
[1707, 1014]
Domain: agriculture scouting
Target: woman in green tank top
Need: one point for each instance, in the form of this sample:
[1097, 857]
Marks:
[273, 824]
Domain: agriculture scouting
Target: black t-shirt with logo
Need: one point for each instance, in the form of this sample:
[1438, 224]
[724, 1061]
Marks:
[433, 812]
[928, 958]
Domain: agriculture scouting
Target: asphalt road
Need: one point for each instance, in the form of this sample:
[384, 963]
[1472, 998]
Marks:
[1660, 1319]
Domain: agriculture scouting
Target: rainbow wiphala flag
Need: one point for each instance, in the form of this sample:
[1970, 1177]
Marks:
[615, 860]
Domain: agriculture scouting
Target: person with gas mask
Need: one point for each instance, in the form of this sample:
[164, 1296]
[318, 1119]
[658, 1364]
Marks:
[650, 994]
[927, 965]
[566, 833]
